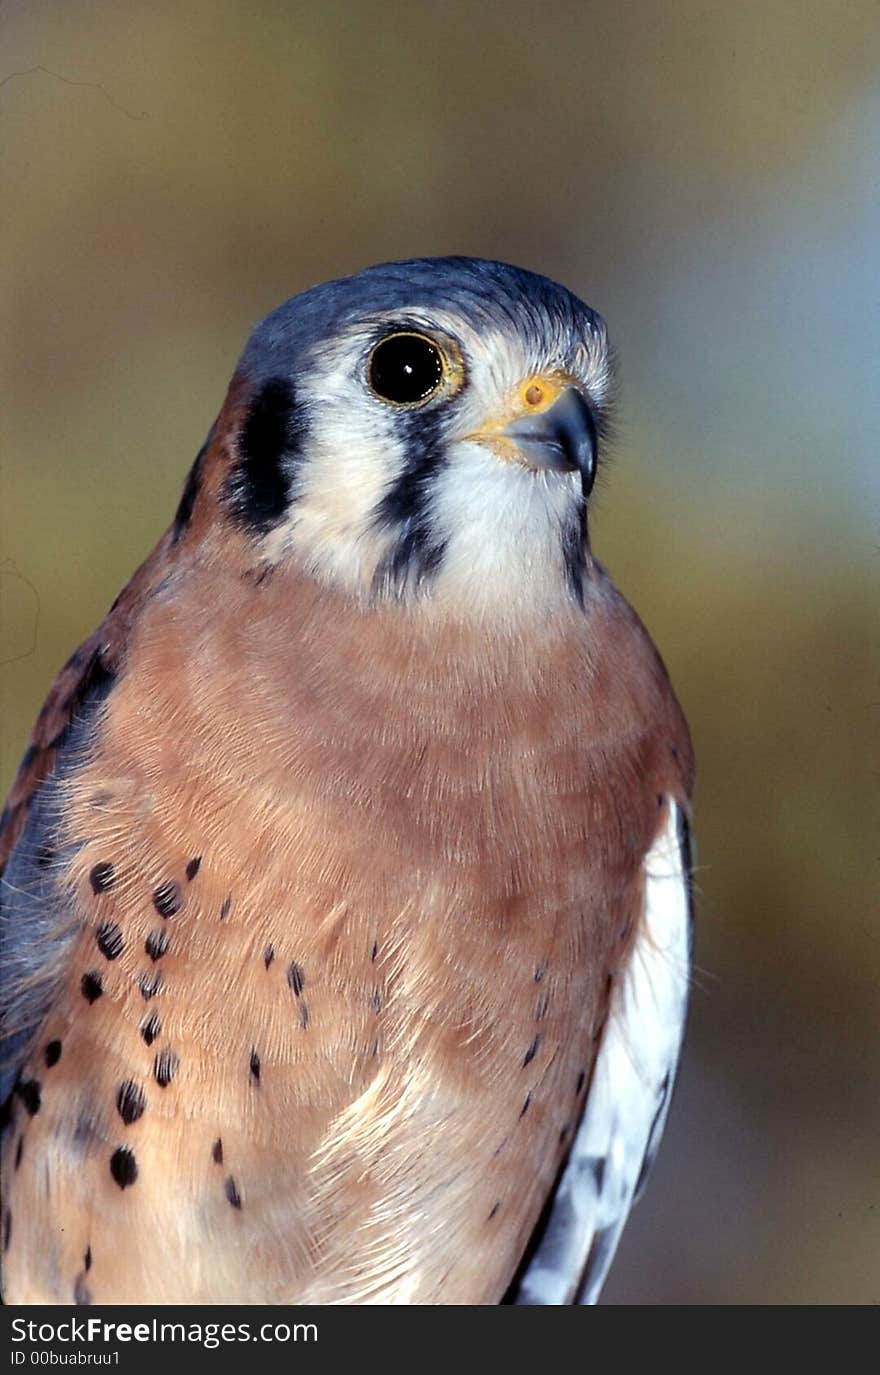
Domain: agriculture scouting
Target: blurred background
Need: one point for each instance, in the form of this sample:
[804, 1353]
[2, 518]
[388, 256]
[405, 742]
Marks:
[706, 175]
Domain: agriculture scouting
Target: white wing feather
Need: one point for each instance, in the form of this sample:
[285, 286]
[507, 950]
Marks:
[626, 1106]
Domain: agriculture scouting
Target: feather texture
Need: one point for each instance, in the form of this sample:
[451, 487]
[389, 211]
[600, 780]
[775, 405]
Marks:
[348, 801]
[625, 1111]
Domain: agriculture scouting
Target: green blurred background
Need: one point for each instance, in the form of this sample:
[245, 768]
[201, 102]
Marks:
[706, 175]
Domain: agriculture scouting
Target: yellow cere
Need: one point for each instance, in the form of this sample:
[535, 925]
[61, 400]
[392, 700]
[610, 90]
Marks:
[538, 393]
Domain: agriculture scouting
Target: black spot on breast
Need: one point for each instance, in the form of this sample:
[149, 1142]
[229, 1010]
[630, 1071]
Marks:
[531, 1052]
[101, 877]
[52, 1053]
[191, 489]
[259, 490]
[296, 977]
[130, 1102]
[580, 1082]
[255, 1066]
[28, 1091]
[7, 1229]
[268, 955]
[82, 1294]
[109, 939]
[563, 1135]
[226, 907]
[374, 952]
[193, 867]
[526, 1105]
[165, 1066]
[166, 899]
[18, 1151]
[217, 1151]
[151, 1027]
[87, 1259]
[493, 1211]
[150, 985]
[303, 1016]
[232, 1192]
[539, 973]
[376, 1001]
[156, 944]
[123, 1166]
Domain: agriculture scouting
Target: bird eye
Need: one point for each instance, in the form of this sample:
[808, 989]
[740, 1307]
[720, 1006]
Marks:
[405, 369]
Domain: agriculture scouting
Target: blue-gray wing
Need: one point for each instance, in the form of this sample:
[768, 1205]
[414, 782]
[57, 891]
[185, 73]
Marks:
[36, 929]
[628, 1100]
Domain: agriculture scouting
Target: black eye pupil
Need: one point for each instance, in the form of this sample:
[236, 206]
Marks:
[405, 368]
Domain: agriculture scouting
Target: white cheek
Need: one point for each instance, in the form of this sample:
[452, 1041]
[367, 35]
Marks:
[504, 525]
[498, 366]
[351, 457]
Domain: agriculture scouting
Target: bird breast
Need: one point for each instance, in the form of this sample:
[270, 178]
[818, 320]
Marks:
[369, 884]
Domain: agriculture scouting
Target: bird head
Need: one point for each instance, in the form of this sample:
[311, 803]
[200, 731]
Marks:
[422, 431]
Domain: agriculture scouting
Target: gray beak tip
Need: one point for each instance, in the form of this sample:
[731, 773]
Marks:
[561, 439]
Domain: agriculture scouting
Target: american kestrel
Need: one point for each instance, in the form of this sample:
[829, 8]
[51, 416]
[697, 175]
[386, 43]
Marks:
[346, 914]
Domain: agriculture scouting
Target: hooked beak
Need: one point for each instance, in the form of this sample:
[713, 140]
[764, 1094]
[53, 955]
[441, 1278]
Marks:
[561, 439]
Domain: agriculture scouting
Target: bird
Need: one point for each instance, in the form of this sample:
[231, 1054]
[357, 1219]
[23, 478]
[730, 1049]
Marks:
[346, 903]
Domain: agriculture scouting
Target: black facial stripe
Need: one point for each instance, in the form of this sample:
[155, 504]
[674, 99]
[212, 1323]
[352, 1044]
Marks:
[258, 491]
[417, 549]
[574, 547]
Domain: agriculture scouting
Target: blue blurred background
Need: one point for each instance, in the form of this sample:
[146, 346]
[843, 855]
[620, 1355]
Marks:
[707, 176]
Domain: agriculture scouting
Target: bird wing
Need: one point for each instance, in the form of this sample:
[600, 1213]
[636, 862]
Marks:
[625, 1110]
[97, 660]
[35, 930]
